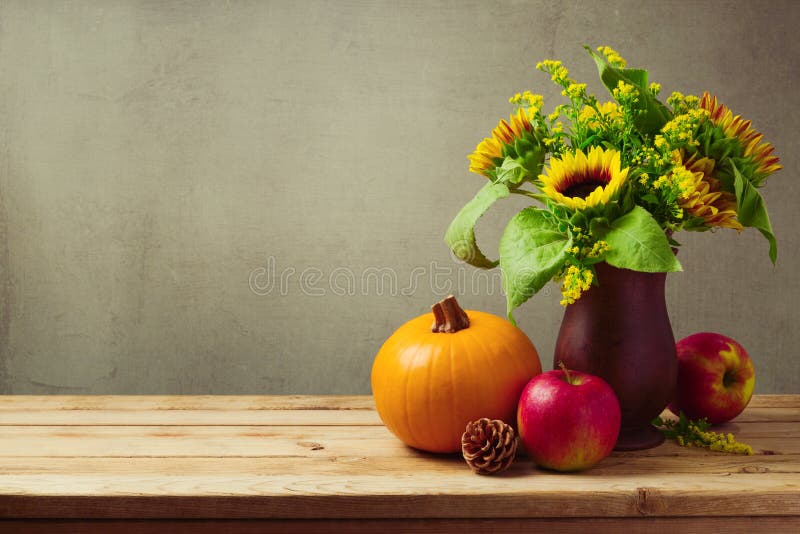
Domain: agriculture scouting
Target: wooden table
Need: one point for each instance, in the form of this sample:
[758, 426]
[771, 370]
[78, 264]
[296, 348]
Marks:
[294, 464]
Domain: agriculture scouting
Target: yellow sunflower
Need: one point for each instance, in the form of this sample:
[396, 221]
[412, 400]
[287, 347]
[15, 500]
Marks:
[489, 153]
[578, 181]
[704, 197]
[756, 153]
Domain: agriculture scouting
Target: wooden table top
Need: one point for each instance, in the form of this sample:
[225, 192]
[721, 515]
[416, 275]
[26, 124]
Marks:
[330, 458]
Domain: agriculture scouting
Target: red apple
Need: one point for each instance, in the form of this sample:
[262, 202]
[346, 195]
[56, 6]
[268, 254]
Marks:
[568, 420]
[715, 378]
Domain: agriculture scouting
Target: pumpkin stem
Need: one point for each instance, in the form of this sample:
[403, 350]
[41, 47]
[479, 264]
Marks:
[448, 317]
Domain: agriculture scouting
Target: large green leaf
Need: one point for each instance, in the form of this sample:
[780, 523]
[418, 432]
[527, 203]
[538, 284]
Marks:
[752, 211]
[532, 251]
[654, 115]
[460, 236]
[637, 243]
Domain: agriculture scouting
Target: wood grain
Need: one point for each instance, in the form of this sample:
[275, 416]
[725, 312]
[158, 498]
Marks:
[302, 458]
[263, 417]
[616, 464]
[258, 441]
[117, 417]
[147, 403]
[651, 525]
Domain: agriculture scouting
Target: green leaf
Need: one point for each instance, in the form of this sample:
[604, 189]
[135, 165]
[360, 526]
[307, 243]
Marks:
[532, 251]
[637, 243]
[752, 211]
[530, 155]
[460, 236]
[511, 172]
[654, 115]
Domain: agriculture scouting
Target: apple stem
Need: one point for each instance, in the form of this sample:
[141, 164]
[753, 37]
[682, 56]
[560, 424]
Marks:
[567, 374]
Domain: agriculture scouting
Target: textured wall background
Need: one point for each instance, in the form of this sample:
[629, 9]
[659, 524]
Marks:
[159, 158]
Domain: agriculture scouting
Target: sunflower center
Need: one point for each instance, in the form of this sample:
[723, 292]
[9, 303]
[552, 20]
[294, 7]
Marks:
[583, 189]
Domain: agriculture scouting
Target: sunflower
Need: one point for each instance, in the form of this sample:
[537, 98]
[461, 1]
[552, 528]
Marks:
[578, 181]
[704, 197]
[489, 153]
[754, 157]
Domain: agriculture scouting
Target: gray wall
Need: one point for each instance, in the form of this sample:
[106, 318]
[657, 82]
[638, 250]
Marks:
[157, 156]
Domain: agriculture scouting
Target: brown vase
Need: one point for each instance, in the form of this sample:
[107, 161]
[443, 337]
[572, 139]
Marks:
[620, 330]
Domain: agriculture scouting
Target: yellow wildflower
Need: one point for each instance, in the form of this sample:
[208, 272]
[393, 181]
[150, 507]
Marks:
[555, 114]
[533, 103]
[576, 280]
[680, 131]
[680, 178]
[578, 235]
[689, 433]
[716, 441]
[681, 103]
[575, 90]
[651, 156]
[625, 92]
[655, 88]
[609, 112]
[598, 249]
[612, 56]
[558, 72]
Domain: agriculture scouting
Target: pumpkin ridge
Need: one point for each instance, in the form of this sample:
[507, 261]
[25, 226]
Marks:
[407, 396]
[380, 385]
[429, 378]
[466, 359]
[487, 374]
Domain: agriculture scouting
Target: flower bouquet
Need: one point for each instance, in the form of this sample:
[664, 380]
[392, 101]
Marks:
[617, 180]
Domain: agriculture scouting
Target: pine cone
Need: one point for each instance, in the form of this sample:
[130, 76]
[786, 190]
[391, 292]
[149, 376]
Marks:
[489, 446]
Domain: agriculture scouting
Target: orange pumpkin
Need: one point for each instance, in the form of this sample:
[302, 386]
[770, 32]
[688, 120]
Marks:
[443, 369]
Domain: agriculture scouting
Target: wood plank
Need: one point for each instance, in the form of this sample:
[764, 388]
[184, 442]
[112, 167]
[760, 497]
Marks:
[762, 413]
[126, 441]
[300, 457]
[704, 463]
[775, 401]
[265, 417]
[595, 525]
[186, 402]
[246, 402]
[193, 417]
[395, 496]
